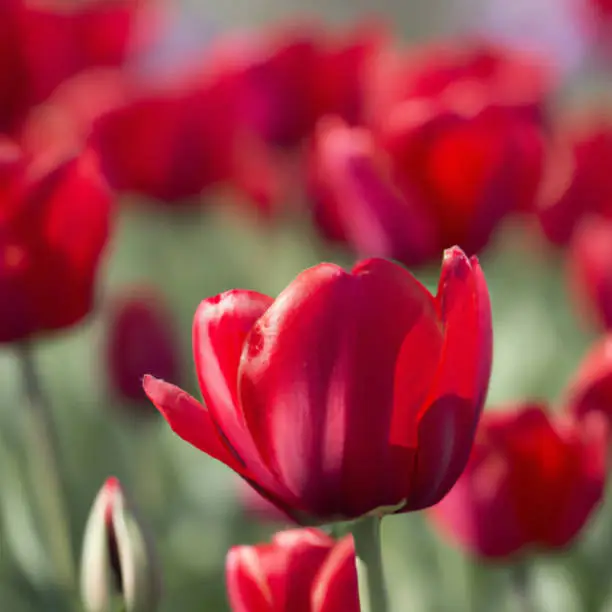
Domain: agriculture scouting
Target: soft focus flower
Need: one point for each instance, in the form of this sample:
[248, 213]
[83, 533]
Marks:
[532, 481]
[118, 567]
[173, 141]
[299, 74]
[54, 224]
[43, 43]
[141, 340]
[590, 389]
[590, 269]
[462, 70]
[302, 570]
[578, 181]
[438, 176]
[351, 393]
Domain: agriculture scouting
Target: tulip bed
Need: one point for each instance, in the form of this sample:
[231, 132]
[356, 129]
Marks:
[317, 322]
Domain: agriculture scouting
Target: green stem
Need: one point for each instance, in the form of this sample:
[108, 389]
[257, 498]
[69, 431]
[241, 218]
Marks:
[46, 474]
[368, 558]
[521, 587]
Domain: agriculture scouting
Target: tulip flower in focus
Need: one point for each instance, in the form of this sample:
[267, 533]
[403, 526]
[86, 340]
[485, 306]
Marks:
[141, 340]
[301, 570]
[590, 389]
[590, 269]
[433, 178]
[256, 506]
[54, 222]
[532, 482]
[118, 567]
[43, 43]
[351, 393]
[578, 180]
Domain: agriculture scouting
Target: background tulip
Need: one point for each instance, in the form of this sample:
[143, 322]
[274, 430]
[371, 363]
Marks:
[301, 570]
[532, 482]
[325, 420]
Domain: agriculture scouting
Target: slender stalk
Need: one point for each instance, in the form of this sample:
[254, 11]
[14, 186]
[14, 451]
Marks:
[368, 558]
[45, 467]
[521, 588]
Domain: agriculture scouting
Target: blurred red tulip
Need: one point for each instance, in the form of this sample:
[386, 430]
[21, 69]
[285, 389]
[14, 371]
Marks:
[172, 142]
[578, 179]
[330, 421]
[590, 269]
[532, 481]
[302, 570]
[461, 71]
[141, 340]
[43, 43]
[438, 177]
[299, 74]
[54, 224]
[590, 389]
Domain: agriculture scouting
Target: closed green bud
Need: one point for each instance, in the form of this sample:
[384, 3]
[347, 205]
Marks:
[118, 567]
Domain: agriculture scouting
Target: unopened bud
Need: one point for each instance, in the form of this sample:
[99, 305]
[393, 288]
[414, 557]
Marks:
[141, 340]
[118, 568]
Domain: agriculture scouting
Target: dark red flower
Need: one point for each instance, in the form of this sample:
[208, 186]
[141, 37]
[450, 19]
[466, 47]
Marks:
[302, 570]
[141, 340]
[200, 140]
[578, 180]
[532, 482]
[590, 389]
[300, 74]
[461, 71]
[437, 177]
[337, 398]
[41, 44]
[590, 269]
[54, 223]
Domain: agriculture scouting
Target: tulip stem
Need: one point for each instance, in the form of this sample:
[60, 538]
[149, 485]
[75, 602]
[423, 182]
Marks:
[368, 558]
[521, 587]
[45, 471]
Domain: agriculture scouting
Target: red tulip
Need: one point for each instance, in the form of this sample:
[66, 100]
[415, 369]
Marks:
[299, 74]
[140, 340]
[200, 141]
[590, 269]
[532, 481]
[54, 223]
[578, 180]
[451, 72]
[303, 570]
[331, 421]
[590, 390]
[438, 177]
[41, 44]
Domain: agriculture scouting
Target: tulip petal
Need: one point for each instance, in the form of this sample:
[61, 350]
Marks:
[220, 327]
[316, 382]
[247, 585]
[190, 420]
[335, 586]
[447, 425]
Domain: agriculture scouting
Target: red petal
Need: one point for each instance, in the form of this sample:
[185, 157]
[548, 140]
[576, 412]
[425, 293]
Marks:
[446, 428]
[190, 420]
[220, 327]
[247, 585]
[335, 586]
[317, 378]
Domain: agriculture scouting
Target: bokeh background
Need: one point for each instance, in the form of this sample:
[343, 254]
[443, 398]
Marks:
[191, 504]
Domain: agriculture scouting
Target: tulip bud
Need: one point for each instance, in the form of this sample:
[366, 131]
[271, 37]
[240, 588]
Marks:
[117, 565]
[140, 340]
